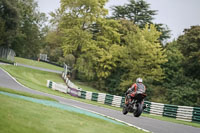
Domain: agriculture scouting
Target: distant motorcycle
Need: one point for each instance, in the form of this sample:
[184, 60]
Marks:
[136, 106]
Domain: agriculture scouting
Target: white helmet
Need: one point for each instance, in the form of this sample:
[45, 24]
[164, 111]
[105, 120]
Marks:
[139, 80]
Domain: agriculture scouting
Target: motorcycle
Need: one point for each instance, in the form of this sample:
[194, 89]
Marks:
[136, 106]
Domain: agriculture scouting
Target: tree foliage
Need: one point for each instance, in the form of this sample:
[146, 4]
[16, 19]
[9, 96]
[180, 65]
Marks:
[29, 33]
[180, 89]
[190, 48]
[139, 13]
[9, 19]
[21, 27]
[143, 56]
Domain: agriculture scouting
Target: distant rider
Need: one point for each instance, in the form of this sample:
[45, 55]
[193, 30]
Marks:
[136, 88]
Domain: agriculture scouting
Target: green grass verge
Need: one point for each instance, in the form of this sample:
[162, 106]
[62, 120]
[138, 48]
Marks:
[37, 80]
[6, 61]
[37, 64]
[26, 94]
[86, 87]
[20, 116]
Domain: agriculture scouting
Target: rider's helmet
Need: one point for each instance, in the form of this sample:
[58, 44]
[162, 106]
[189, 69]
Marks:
[139, 80]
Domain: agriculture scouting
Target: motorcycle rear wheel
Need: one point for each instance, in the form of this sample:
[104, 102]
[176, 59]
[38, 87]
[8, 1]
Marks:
[138, 111]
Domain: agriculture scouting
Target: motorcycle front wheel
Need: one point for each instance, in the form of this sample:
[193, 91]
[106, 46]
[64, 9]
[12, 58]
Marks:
[124, 111]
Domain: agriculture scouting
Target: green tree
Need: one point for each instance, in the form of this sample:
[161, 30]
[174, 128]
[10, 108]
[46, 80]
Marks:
[96, 58]
[143, 56]
[29, 36]
[179, 89]
[173, 68]
[80, 13]
[76, 19]
[139, 13]
[190, 48]
[52, 46]
[9, 19]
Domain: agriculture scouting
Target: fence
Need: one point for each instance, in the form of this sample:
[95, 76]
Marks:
[7, 53]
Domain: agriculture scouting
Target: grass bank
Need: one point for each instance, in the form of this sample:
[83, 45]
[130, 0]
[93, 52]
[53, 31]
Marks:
[86, 87]
[26, 94]
[37, 64]
[22, 116]
[6, 61]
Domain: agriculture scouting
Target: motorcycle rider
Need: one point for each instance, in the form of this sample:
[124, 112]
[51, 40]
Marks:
[136, 88]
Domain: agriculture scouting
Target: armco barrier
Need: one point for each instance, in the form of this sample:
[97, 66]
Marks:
[63, 88]
[148, 105]
[83, 94]
[101, 98]
[170, 110]
[122, 102]
[74, 92]
[58, 87]
[109, 99]
[116, 101]
[88, 95]
[184, 113]
[156, 108]
[94, 97]
[196, 114]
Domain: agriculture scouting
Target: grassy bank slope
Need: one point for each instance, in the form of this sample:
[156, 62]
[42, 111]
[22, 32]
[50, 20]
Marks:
[37, 64]
[21, 116]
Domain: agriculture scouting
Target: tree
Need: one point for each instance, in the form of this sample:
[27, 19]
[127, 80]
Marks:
[139, 13]
[9, 19]
[173, 68]
[143, 56]
[29, 36]
[76, 19]
[190, 48]
[81, 13]
[179, 89]
[136, 11]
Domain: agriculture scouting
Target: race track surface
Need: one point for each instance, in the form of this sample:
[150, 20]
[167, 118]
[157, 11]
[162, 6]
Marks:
[152, 125]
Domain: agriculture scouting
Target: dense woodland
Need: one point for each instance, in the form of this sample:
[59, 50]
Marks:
[108, 52]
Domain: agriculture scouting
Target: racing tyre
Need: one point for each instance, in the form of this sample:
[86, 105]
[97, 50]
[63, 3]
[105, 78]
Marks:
[124, 111]
[138, 111]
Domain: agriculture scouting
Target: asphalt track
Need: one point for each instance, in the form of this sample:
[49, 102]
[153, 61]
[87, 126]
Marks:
[149, 124]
